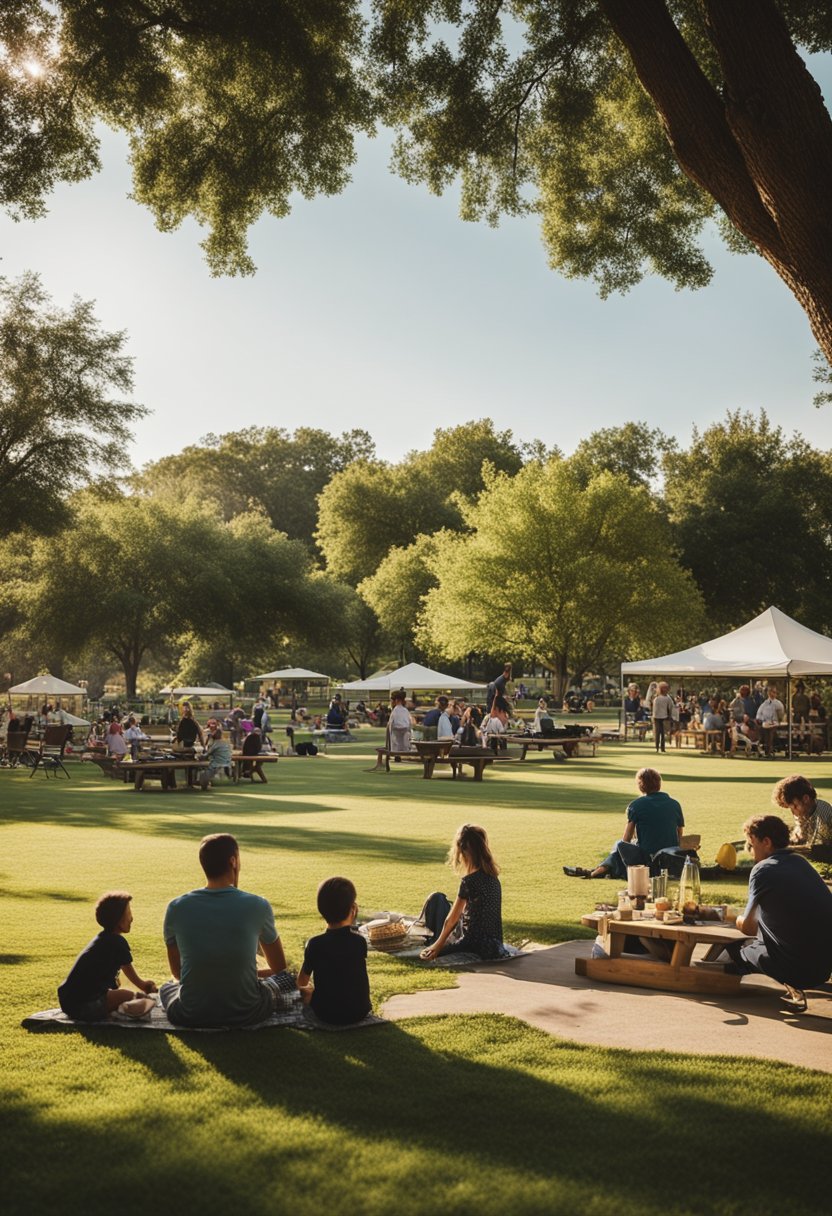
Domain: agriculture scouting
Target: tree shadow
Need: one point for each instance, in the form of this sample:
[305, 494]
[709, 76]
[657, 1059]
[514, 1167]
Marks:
[528, 1107]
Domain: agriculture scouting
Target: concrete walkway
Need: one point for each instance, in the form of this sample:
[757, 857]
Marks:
[544, 991]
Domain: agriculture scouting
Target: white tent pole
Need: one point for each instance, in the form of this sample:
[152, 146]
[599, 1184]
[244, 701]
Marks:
[623, 717]
[789, 708]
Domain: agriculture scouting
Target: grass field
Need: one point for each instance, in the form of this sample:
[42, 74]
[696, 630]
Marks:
[455, 1114]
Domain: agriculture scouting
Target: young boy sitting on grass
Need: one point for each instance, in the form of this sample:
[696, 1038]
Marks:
[90, 992]
[337, 959]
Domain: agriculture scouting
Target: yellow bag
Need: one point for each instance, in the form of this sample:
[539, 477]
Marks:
[726, 857]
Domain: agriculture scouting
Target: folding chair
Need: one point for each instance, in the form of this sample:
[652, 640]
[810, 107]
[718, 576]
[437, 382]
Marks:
[50, 756]
[16, 748]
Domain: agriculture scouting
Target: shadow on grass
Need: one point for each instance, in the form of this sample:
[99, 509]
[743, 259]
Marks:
[479, 1104]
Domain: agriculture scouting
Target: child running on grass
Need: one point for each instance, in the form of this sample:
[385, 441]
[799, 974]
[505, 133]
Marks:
[90, 992]
[337, 959]
[479, 902]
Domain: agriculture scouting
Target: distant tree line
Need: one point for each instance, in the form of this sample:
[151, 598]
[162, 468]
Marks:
[264, 547]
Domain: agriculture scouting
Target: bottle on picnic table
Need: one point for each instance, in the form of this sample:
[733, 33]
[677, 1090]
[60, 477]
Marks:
[689, 890]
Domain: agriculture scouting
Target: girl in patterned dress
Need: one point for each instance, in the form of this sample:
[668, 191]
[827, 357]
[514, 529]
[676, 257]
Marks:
[479, 901]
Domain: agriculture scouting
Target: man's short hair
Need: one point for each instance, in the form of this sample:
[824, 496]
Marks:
[771, 826]
[216, 854]
[336, 897]
[111, 907]
[649, 780]
[790, 789]
[442, 700]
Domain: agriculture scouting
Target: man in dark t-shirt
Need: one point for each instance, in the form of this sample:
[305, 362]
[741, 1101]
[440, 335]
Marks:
[337, 959]
[790, 910]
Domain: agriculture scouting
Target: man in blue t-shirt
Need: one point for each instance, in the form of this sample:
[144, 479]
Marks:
[789, 909]
[655, 820]
[212, 935]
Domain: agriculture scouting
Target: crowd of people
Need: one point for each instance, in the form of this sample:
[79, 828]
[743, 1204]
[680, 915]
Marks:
[216, 935]
[751, 717]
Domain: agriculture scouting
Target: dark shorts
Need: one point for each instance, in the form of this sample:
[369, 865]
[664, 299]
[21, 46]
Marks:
[89, 1011]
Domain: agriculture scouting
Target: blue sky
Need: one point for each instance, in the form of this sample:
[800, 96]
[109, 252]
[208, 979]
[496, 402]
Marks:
[381, 309]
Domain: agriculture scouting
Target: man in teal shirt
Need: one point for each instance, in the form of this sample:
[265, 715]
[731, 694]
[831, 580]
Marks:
[655, 820]
[212, 935]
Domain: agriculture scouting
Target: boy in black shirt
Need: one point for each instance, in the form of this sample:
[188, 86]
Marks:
[337, 959]
[90, 992]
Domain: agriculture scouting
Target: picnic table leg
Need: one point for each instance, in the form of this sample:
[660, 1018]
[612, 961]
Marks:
[479, 769]
[139, 781]
[682, 954]
[616, 944]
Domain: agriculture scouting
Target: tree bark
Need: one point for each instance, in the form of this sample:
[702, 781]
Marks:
[763, 151]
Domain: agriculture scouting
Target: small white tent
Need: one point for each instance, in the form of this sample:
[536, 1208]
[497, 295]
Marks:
[771, 645]
[413, 677]
[47, 686]
[293, 673]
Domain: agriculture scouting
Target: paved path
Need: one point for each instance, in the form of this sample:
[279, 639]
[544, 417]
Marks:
[544, 991]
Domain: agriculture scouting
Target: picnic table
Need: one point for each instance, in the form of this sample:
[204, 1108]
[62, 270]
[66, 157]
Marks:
[704, 740]
[162, 769]
[430, 752]
[568, 743]
[679, 973]
[239, 760]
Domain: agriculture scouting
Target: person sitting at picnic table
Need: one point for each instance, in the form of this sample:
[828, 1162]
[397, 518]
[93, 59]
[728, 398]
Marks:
[252, 746]
[399, 725]
[440, 707]
[712, 719]
[218, 753]
[188, 729]
[540, 713]
[656, 821]
[336, 715]
[116, 743]
[812, 815]
[495, 723]
[133, 735]
[770, 714]
[632, 703]
[789, 910]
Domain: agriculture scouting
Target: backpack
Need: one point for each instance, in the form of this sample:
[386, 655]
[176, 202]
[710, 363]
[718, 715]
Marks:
[257, 716]
[547, 727]
[306, 749]
[434, 911]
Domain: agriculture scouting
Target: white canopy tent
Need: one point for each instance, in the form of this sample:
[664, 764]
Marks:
[773, 645]
[47, 686]
[294, 673]
[414, 678]
[206, 690]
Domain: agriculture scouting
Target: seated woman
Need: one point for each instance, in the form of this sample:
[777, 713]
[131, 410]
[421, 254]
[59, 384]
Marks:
[116, 743]
[218, 752]
[252, 746]
[540, 713]
[496, 723]
[655, 820]
[336, 717]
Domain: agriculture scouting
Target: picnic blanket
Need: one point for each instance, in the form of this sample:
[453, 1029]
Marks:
[410, 946]
[298, 1015]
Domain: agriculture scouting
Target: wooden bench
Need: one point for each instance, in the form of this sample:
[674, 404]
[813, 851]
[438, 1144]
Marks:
[431, 752]
[239, 761]
[569, 744]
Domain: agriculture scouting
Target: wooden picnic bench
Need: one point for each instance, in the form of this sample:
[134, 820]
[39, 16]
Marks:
[239, 761]
[703, 740]
[569, 744]
[430, 752]
[163, 770]
[678, 973]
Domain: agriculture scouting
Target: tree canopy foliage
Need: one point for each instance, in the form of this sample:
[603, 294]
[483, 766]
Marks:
[561, 573]
[267, 469]
[64, 404]
[373, 507]
[751, 511]
[623, 124]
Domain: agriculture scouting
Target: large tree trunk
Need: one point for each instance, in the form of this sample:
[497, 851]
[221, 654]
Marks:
[762, 150]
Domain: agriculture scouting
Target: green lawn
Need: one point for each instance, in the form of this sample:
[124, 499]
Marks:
[456, 1114]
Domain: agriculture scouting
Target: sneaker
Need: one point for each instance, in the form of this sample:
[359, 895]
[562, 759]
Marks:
[138, 1008]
